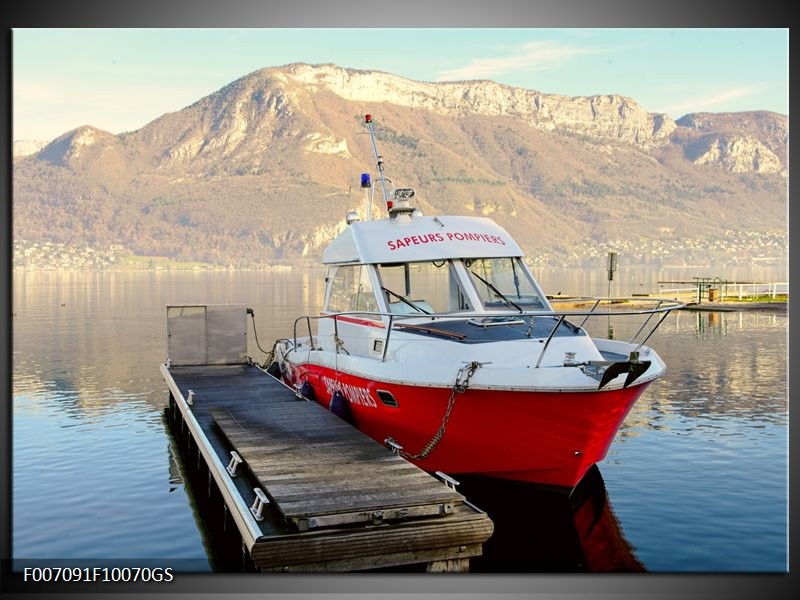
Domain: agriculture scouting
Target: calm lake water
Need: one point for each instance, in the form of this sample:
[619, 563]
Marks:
[696, 480]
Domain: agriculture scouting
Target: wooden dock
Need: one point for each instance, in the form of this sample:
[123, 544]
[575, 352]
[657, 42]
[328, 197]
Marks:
[307, 491]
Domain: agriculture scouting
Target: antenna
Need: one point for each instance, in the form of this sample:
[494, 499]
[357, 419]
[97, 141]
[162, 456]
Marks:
[378, 160]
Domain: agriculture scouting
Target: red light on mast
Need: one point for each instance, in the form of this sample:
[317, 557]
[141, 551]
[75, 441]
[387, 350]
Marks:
[368, 118]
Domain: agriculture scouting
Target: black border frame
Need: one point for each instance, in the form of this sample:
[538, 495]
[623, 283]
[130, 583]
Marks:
[359, 13]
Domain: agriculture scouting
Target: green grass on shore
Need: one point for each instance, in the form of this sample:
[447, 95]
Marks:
[762, 298]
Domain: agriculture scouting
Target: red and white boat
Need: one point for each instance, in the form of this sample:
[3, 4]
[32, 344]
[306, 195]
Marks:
[436, 340]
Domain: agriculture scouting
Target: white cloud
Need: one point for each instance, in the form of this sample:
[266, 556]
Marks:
[532, 56]
[711, 100]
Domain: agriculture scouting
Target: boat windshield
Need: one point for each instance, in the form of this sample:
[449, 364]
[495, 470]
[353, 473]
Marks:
[425, 287]
[503, 283]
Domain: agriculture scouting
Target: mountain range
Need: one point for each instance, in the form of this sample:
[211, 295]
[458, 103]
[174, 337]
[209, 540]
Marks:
[264, 170]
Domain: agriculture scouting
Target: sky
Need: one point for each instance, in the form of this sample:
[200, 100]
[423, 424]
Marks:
[121, 79]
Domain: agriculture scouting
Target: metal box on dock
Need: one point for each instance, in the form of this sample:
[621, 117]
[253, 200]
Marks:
[206, 334]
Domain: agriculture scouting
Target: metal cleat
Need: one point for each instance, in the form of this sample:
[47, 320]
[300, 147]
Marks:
[447, 480]
[392, 445]
[236, 460]
[258, 505]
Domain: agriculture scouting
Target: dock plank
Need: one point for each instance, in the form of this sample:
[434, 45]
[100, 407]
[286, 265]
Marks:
[348, 474]
[313, 550]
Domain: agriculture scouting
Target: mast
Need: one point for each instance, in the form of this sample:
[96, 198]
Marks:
[378, 161]
[400, 203]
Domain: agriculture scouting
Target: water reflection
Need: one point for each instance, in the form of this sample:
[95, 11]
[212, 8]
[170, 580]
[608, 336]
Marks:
[545, 531]
[717, 323]
[94, 339]
[712, 322]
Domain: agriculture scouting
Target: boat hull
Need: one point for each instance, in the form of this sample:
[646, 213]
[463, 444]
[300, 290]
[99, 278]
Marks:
[546, 437]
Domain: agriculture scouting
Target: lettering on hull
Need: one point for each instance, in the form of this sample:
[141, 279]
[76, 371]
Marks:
[354, 394]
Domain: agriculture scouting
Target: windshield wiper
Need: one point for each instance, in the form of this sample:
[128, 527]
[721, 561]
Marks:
[406, 301]
[496, 291]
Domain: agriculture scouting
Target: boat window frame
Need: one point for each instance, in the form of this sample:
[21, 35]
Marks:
[365, 276]
[544, 304]
[455, 280]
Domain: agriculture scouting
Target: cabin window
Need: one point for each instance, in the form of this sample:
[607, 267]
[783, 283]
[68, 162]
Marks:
[351, 290]
[421, 287]
[504, 284]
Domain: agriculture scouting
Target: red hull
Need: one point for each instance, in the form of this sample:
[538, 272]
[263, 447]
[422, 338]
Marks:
[550, 438]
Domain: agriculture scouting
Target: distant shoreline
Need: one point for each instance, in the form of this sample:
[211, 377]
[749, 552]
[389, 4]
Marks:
[173, 269]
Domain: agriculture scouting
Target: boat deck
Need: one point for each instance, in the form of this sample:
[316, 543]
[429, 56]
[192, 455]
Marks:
[335, 500]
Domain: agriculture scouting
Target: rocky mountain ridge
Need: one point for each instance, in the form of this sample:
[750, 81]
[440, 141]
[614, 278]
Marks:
[613, 117]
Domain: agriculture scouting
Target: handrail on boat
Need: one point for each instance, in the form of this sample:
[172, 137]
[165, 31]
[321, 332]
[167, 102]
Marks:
[662, 306]
[550, 337]
[307, 319]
